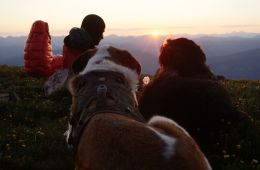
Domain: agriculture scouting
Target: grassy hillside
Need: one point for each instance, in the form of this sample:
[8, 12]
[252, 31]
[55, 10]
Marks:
[32, 126]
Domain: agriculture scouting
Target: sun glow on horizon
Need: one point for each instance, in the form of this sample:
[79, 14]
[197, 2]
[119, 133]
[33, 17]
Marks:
[156, 33]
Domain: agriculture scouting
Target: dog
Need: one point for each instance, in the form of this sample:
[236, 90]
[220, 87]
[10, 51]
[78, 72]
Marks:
[106, 130]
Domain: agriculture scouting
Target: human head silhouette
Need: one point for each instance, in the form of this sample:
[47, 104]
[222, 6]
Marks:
[184, 57]
[95, 26]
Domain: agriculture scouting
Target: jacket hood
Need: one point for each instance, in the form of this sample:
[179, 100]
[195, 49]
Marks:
[79, 38]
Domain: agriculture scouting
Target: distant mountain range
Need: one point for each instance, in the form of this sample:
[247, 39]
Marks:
[235, 55]
[242, 65]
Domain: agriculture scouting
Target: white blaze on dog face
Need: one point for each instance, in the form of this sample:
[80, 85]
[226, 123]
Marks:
[96, 61]
[108, 58]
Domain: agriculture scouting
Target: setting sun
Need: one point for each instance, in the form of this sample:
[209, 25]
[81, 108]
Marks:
[155, 33]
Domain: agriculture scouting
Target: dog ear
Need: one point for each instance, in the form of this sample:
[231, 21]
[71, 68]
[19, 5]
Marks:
[80, 63]
[124, 58]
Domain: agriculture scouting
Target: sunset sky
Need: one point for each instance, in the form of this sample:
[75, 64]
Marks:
[133, 17]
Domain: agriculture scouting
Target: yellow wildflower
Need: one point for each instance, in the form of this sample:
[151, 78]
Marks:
[238, 146]
[226, 156]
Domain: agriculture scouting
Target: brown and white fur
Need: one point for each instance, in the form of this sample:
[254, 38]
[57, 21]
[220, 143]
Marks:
[115, 142]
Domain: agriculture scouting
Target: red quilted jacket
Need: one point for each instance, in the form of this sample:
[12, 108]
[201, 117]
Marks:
[38, 57]
[38, 50]
[70, 55]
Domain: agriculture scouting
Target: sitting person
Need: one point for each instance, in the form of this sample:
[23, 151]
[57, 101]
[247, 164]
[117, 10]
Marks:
[185, 90]
[80, 39]
[38, 57]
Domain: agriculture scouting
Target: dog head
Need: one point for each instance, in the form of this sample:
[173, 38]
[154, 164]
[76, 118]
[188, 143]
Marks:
[108, 58]
[105, 58]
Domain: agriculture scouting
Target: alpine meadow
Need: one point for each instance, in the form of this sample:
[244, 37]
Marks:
[32, 126]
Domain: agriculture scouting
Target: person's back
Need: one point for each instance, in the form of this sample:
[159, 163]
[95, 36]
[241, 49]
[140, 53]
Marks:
[195, 103]
[186, 91]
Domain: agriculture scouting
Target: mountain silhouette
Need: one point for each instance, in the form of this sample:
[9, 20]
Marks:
[243, 65]
[230, 55]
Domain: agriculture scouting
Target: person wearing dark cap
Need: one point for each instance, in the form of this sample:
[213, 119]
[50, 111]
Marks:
[80, 39]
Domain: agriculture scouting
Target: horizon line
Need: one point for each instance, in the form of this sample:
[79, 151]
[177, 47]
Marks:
[4, 35]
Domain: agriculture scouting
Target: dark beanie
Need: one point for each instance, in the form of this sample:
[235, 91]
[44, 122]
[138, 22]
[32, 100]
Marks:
[93, 24]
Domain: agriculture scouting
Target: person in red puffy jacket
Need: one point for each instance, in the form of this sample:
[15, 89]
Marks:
[38, 51]
[38, 57]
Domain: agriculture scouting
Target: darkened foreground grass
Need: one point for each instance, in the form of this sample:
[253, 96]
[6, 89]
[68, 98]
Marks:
[32, 127]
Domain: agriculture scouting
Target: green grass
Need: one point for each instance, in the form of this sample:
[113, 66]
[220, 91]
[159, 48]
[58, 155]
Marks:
[240, 149]
[31, 129]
